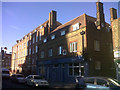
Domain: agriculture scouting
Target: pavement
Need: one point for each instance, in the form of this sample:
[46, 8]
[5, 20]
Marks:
[61, 85]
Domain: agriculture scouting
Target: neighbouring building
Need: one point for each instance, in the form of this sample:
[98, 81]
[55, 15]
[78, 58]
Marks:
[115, 24]
[24, 53]
[80, 47]
[6, 58]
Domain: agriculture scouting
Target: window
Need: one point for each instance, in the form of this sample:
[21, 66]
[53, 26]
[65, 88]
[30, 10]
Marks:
[33, 51]
[96, 45]
[36, 49]
[29, 51]
[90, 81]
[102, 82]
[76, 26]
[53, 37]
[29, 61]
[42, 54]
[50, 52]
[45, 40]
[74, 69]
[24, 52]
[30, 42]
[102, 24]
[60, 50]
[36, 38]
[33, 39]
[41, 27]
[97, 65]
[73, 47]
[62, 33]
[33, 61]
[40, 36]
[108, 29]
[24, 45]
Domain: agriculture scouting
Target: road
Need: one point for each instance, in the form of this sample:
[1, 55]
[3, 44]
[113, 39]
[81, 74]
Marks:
[7, 84]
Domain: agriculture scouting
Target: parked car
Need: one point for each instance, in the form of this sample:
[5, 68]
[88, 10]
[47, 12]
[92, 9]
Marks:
[18, 78]
[5, 73]
[101, 82]
[36, 80]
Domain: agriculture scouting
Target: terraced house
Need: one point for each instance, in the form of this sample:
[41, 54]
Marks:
[60, 52]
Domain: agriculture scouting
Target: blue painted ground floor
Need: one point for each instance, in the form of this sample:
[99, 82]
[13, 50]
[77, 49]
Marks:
[63, 70]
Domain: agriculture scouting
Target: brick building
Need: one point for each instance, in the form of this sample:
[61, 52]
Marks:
[80, 47]
[24, 53]
[115, 24]
[6, 58]
[60, 52]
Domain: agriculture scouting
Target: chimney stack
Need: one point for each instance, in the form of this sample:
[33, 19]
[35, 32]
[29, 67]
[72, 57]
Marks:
[113, 14]
[52, 20]
[100, 15]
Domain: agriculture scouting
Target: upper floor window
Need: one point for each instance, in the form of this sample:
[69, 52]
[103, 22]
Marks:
[40, 36]
[73, 47]
[42, 54]
[33, 39]
[60, 50]
[45, 40]
[62, 33]
[33, 50]
[41, 27]
[96, 45]
[50, 52]
[36, 49]
[36, 38]
[29, 51]
[53, 37]
[76, 26]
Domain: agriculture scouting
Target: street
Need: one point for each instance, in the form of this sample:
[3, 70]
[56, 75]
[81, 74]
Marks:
[7, 84]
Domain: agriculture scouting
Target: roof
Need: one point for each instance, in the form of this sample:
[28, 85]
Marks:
[73, 21]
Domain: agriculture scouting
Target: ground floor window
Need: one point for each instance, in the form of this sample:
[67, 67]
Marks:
[76, 69]
[41, 70]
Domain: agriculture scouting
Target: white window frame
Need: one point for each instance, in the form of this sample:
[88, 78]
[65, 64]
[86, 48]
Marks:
[36, 49]
[40, 36]
[52, 37]
[96, 45]
[59, 50]
[73, 47]
[36, 38]
[29, 51]
[97, 65]
[50, 52]
[42, 54]
[45, 40]
[76, 26]
[72, 67]
[33, 50]
[62, 33]
[33, 39]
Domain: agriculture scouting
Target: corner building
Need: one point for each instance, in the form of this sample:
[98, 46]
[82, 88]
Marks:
[80, 47]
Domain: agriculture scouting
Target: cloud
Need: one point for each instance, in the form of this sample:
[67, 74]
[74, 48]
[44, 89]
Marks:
[14, 27]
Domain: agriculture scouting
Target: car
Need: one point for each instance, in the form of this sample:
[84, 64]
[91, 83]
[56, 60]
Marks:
[36, 81]
[5, 73]
[101, 83]
[17, 78]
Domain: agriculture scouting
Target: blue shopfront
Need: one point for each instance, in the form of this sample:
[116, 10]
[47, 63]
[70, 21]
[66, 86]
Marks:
[63, 70]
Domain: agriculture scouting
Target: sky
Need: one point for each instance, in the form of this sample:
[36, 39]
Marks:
[20, 18]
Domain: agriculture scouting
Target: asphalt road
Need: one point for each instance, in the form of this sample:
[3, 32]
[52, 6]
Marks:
[8, 85]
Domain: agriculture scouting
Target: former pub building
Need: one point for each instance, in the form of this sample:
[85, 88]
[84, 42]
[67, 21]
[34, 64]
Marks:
[61, 52]
[80, 47]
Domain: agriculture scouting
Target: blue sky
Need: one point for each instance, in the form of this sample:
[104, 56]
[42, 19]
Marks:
[19, 18]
